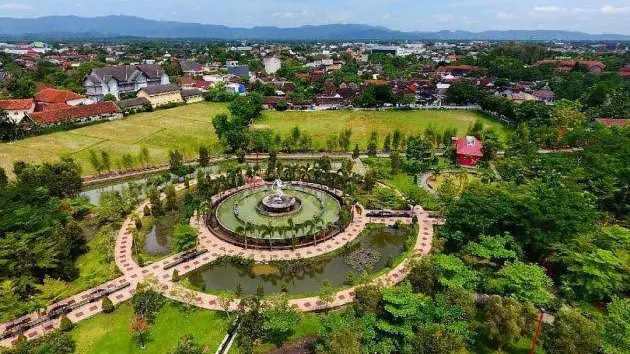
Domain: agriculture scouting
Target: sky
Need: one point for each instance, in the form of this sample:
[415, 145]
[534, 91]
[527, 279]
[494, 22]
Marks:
[592, 16]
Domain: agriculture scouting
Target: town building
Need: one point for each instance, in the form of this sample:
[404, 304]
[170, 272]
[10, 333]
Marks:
[192, 95]
[17, 109]
[161, 95]
[117, 80]
[133, 105]
[78, 115]
[51, 98]
[468, 150]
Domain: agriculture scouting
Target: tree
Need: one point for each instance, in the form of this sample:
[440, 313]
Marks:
[106, 162]
[372, 146]
[175, 159]
[156, 202]
[61, 178]
[344, 139]
[146, 302]
[368, 299]
[187, 345]
[495, 249]
[144, 156]
[139, 328]
[4, 180]
[95, 161]
[9, 129]
[66, 324]
[527, 282]
[246, 108]
[503, 321]
[423, 275]
[396, 162]
[463, 92]
[567, 114]
[397, 140]
[107, 305]
[327, 293]
[279, 322]
[571, 332]
[185, 237]
[109, 97]
[387, 143]
[420, 156]
[436, 339]
[171, 197]
[595, 266]
[356, 152]
[616, 336]
[55, 342]
[204, 157]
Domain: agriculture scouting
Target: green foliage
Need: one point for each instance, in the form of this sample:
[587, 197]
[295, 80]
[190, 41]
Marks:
[527, 282]
[368, 299]
[597, 266]
[495, 248]
[187, 345]
[571, 332]
[279, 322]
[246, 108]
[463, 92]
[617, 327]
[107, 305]
[454, 274]
[420, 156]
[55, 342]
[146, 302]
[504, 321]
[436, 339]
[62, 178]
[109, 97]
[185, 237]
[66, 325]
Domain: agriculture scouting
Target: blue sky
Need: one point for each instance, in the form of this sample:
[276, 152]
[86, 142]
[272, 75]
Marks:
[605, 16]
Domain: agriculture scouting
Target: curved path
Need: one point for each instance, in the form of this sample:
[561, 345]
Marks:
[161, 279]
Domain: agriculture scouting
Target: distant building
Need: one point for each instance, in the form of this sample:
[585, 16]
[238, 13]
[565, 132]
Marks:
[239, 70]
[17, 109]
[190, 67]
[612, 122]
[117, 80]
[161, 95]
[385, 50]
[469, 151]
[192, 95]
[133, 105]
[78, 114]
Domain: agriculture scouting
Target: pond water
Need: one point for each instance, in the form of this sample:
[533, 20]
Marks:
[305, 277]
[156, 242]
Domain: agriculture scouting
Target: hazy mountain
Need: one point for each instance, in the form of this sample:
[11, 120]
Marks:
[128, 26]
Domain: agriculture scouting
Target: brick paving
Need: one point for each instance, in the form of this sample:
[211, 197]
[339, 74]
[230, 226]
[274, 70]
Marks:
[161, 278]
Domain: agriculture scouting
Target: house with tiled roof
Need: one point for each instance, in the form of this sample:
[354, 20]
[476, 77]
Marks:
[469, 151]
[78, 115]
[17, 109]
[613, 122]
[161, 95]
[191, 95]
[133, 105]
[120, 79]
[190, 67]
[51, 97]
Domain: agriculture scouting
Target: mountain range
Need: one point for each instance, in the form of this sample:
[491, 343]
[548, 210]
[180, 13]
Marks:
[74, 27]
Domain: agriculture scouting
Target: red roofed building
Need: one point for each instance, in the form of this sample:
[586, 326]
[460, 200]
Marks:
[469, 151]
[55, 96]
[613, 122]
[78, 114]
[17, 109]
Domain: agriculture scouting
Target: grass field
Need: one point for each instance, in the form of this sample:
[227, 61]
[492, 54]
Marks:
[322, 124]
[109, 333]
[189, 127]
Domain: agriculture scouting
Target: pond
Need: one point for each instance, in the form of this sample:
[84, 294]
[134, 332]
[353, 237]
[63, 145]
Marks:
[300, 277]
[156, 242]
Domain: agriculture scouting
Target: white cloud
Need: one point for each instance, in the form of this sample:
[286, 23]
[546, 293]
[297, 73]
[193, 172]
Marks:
[613, 10]
[505, 15]
[548, 9]
[14, 6]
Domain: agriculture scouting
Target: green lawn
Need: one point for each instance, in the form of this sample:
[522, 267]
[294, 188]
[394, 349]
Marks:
[109, 333]
[322, 124]
[189, 127]
[185, 128]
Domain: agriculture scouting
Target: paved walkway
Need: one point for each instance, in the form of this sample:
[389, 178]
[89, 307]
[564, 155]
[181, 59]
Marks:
[161, 279]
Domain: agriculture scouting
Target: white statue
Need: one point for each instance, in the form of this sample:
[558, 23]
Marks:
[277, 188]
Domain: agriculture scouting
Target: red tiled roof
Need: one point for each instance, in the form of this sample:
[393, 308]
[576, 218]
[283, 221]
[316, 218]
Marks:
[75, 113]
[469, 145]
[51, 107]
[56, 96]
[15, 105]
[41, 87]
[448, 68]
[612, 122]
[375, 82]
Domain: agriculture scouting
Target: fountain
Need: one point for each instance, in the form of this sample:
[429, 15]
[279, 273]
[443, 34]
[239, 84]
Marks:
[278, 203]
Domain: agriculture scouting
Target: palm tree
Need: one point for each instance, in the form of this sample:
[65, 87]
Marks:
[248, 228]
[267, 231]
[317, 221]
[241, 232]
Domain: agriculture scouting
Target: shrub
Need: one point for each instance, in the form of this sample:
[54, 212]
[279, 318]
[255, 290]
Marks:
[147, 210]
[108, 305]
[176, 276]
[66, 325]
